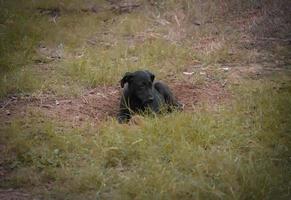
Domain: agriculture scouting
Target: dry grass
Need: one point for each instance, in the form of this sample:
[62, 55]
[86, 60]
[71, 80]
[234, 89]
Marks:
[235, 151]
[239, 151]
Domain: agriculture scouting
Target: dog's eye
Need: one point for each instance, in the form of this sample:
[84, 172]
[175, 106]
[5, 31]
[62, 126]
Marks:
[143, 85]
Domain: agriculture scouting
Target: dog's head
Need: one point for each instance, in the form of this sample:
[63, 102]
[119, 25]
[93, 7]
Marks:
[140, 84]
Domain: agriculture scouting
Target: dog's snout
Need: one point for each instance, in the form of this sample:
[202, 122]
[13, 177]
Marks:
[151, 99]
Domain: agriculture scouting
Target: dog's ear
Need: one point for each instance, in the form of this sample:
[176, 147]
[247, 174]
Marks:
[125, 78]
[151, 75]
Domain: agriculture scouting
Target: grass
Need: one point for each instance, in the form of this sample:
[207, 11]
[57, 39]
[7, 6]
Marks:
[21, 81]
[121, 44]
[101, 43]
[109, 65]
[240, 151]
[95, 44]
[98, 48]
[23, 29]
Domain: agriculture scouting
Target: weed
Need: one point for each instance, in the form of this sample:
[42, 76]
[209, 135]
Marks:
[19, 81]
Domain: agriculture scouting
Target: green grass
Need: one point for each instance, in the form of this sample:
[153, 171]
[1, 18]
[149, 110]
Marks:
[106, 66]
[120, 44]
[98, 48]
[238, 151]
[23, 29]
[23, 81]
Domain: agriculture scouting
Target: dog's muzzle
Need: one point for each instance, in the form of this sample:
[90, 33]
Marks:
[149, 101]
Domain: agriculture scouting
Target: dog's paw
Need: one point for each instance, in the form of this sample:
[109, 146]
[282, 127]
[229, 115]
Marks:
[122, 119]
[182, 106]
[136, 120]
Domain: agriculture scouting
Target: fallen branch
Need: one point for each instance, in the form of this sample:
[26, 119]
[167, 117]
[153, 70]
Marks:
[177, 21]
[6, 104]
[125, 7]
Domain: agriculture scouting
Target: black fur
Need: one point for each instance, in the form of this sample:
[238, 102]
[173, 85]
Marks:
[142, 93]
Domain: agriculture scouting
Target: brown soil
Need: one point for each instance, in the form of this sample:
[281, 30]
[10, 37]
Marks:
[102, 103]
[12, 194]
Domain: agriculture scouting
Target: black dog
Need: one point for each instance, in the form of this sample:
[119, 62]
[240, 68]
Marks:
[142, 93]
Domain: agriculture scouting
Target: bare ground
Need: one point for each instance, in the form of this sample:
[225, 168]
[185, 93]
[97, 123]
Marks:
[102, 102]
[11, 194]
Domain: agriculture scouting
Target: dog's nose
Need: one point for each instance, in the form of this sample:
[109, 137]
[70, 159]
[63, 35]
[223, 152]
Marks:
[150, 100]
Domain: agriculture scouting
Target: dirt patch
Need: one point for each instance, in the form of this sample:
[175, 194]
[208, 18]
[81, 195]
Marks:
[102, 103]
[94, 106]
[12, 194]
[190, 95]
